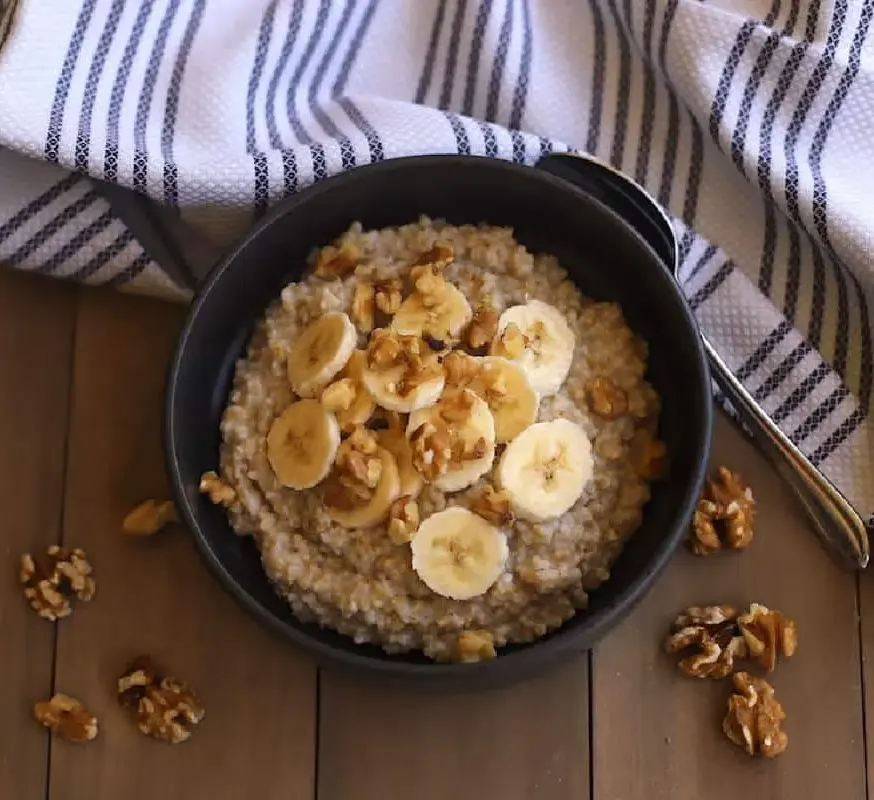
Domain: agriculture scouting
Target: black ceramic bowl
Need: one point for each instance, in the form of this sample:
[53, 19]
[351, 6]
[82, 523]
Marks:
[608, 259]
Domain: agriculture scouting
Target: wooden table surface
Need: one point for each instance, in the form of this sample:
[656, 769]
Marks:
[80, 406]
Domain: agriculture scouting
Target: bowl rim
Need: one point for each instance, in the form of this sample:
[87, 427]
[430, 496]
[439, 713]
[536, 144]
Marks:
[540, 654]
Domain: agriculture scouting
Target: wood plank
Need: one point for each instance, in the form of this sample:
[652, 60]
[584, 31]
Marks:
[156, 597]
[657, 733]
[524, 741]
[36, 325]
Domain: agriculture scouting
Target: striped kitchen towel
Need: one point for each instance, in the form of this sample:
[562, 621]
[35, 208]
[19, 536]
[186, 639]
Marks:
[751, 121]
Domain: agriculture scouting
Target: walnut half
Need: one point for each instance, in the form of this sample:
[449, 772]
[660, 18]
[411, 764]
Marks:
[725, 515]
[768, 634]
[66, 717]
[149, 517]
[713, 633]
[754, 717]
[52, 580]
[165, 707]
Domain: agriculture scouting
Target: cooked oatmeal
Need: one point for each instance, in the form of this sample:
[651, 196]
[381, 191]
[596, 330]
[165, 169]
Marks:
[364, 580]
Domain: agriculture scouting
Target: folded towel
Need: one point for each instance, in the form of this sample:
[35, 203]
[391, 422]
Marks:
[750, 121]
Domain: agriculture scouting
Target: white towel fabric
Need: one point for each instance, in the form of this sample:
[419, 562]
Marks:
[752, 121]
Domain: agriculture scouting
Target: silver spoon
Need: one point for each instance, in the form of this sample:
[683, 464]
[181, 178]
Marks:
[840, 527]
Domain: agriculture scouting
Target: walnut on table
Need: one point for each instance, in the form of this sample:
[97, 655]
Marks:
[754, 717]
[714, 634]
[51, 581]
[149, 517]
[165, 707]
[768, 634]
[66, 717]
[725, 515]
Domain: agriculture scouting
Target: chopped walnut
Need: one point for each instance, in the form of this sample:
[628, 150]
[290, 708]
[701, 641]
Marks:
[713, 632]
[384, 349]
[51, 581]
[456, 407]
[439, 256]
[429, 283]
[649, 456]
[165, 707]
[754, 717]
[149, 517]
[607, 399]
[388, 295]
[403, 519]
[66, 717]
[475, 645]
[219, 491]
[460, 369]
[363, 311]
[491, 385]
[493, 505]
[336, 262]
[482, 329]
[339, 395]
[768, 634]
[512, 342]
[356, 473]
[418, 364]
[432, 449]
[725, 515]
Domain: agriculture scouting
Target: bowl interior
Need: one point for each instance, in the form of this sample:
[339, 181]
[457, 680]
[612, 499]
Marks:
[603, 256]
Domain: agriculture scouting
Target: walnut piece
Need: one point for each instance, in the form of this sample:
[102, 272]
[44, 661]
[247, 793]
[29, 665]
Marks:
[607, 399]
[219, 491]
[363, 311]
[432, 449]
[339, 395]
[52, 580]
[165, 707]
[725, 515]
[482, 329]
[66, 717]
[493, 506]
[336, 262]
[356, 472]
[461, 369]
[403, 519]
[388, 295]
[429, 284]
[418, 363]
[768, 634]
[149, 517]
[754, 717]
[475, 645]
[714, 633]
[439, 256]
[648, 455]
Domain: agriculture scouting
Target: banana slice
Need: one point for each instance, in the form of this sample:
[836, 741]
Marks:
[443, 321]
[302, 444]
[384, 387]
[320, 352]
[376, 509]
[505, 386]
[540, 341]
[545, 468]
[394, 440]
[471, 431]
[458, 554]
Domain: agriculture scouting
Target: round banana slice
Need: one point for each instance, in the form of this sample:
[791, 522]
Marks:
[384, 388]
[476, 427]
[544, 469]
[505, 386]
[458, 554]
[540, 341]
[394, 440]
[320, 352]
[302, 444]
[376, 509]
[444, 321]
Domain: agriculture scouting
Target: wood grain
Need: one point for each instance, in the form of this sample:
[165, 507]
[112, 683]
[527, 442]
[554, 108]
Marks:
[36, 326]
[657, 733]
[155, 596]
[525, 741]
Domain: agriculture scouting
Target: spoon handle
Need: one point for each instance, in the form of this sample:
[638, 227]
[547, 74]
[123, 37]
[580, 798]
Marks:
[841, 529]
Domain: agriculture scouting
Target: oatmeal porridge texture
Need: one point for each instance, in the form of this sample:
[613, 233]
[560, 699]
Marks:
[398, 426]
